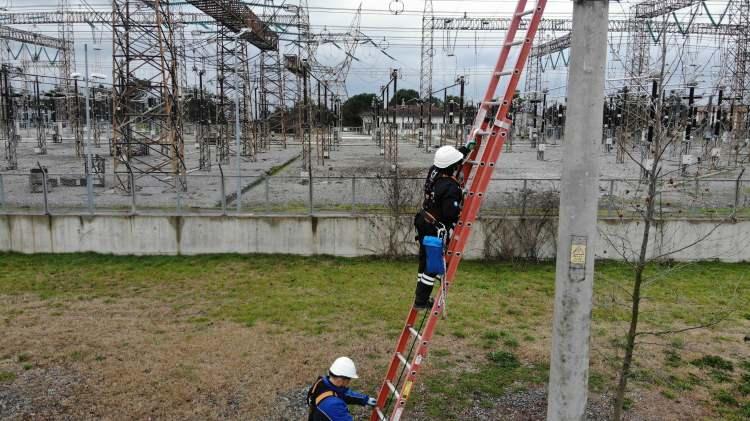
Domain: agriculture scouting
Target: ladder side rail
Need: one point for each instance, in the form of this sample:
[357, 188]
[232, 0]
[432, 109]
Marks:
[490, 152]
[480, 119]
[403, 340]
[457, 244]
[480, 122]
[494, 147]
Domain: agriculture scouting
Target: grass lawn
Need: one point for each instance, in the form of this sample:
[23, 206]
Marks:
[230, 336]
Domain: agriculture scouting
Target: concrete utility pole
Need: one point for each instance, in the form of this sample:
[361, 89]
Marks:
[577, 232]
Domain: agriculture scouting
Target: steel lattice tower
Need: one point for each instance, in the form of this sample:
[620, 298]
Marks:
[146, 116]
[8, 120]
[67, 67]
[739, 53]
[425, 74]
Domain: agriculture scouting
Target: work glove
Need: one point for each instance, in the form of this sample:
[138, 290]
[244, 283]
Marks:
[470, 144]
[372, 401]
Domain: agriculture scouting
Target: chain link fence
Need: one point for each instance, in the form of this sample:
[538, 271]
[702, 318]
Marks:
[42, 192]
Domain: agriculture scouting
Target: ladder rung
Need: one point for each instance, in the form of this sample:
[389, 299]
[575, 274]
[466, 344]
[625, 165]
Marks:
[503, 124]
[525, 13]
[393, 389]
[505, 73]
[381, 415]
[513, 44]
[491, 103]
[415, 333]
[403, 361]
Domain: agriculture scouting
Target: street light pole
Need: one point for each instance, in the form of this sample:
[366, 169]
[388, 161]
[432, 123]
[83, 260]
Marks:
[577, 230]
[87, 138]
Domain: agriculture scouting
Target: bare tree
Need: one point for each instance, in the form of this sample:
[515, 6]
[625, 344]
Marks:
[656, 177]
[513, 235]
[401, 191]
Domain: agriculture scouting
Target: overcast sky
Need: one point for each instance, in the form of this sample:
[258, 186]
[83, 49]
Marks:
[468, 53]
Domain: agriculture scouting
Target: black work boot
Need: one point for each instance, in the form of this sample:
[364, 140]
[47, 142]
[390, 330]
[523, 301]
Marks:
[422, 299]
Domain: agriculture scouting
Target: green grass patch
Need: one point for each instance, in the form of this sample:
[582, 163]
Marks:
[713, 361]
[743, 387]
[503, 359]
[502, 372]
[491, 306]
[7, 376]
[725, 398]
[672, 358]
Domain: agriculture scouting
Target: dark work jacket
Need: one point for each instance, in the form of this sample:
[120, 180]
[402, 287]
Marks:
[333, 407]
[442, 195]
[446, 201]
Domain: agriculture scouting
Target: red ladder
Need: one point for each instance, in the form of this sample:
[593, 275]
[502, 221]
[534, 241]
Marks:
[394, 391]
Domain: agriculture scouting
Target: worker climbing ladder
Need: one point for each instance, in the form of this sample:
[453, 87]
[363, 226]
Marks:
[490, 134]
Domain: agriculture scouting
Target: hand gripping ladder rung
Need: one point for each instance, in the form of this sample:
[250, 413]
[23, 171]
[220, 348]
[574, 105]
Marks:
[413, 342]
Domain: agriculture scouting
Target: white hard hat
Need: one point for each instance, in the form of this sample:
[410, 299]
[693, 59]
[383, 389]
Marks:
[343, 367]
[446, 156]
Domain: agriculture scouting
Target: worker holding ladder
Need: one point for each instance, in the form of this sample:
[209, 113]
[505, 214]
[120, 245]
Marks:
[329, 396]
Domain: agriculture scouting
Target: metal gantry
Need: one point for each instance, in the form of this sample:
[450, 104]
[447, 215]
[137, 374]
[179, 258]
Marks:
[7, 119]
[147, 121]
[67, 67]
[425, 75]
[739, 54]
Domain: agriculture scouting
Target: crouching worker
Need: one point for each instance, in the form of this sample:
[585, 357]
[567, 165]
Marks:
[329, 396]
[440, 210]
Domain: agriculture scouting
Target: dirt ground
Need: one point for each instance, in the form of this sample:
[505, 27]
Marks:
[99, 339]
[83, 359]
[139, 359]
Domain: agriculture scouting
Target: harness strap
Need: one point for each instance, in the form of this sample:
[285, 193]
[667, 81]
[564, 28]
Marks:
[324, 395]
[430, 212]
[428, 217]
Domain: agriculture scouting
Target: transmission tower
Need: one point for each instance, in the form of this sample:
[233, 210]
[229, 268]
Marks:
[7, 111]
[67, 67]
[335, 76]
[272, 106]
[425, 74]
[227, 66]
[739, 55]
[147, 121]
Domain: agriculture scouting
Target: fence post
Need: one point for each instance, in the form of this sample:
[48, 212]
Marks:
[310, 192]
[697, 192]
[132, 191]
[737, 187]
[89, 191]
[268, 190]
[239, 193]
[661, 208]
[179, 196]
[2, 193]
[523, 198]
[44, 187]
[223, 192]
[354, 192]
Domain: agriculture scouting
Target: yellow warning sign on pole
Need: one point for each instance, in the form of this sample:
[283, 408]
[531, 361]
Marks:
[578, 254]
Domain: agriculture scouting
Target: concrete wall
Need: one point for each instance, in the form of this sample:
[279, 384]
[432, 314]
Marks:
[340, 235]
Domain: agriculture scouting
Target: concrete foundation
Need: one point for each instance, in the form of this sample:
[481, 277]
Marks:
[342, 235]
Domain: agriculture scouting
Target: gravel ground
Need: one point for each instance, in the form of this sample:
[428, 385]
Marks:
[39, 393]
[357, 157]
[528, 405]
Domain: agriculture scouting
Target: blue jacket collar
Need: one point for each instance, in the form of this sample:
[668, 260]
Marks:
[338, 390]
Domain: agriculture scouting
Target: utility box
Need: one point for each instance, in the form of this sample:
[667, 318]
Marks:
[36, 179]
[689, 160]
